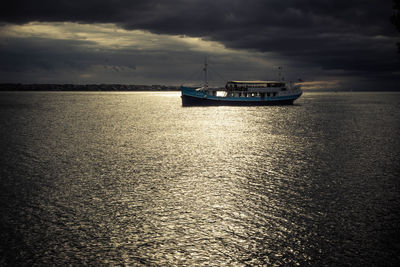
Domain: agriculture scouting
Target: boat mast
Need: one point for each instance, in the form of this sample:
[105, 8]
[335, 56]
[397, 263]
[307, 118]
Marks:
[205, 74]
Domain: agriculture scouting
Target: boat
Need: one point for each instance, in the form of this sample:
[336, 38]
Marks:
[242, 93]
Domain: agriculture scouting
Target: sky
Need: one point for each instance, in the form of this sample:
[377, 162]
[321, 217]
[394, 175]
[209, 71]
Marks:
[333, 45]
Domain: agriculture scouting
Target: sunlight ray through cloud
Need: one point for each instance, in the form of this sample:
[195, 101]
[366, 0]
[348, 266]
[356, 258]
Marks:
[110, 36]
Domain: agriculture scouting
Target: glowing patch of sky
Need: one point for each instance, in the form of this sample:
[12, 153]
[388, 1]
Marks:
[111, 36]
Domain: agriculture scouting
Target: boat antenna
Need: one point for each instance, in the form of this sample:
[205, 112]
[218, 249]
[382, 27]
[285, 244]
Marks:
[205, 73]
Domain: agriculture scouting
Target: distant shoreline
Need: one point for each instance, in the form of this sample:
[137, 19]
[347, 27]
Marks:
[19, 87]
[86, 87]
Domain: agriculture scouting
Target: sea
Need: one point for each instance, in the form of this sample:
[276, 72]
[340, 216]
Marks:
[136, 179]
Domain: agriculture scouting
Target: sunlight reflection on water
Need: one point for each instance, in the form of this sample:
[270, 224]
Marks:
[135, 178]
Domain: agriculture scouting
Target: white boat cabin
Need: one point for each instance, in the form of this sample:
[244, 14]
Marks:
[255, 86]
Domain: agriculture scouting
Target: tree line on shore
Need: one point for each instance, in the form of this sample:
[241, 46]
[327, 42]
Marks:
[85, 87]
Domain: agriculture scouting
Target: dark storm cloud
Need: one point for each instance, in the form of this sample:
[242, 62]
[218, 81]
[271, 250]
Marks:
[24, 57]
[21, 54]
[210, 17]
[25, 54]
[351, 35]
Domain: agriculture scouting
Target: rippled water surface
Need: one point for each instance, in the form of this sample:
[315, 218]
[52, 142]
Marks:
[137, 179]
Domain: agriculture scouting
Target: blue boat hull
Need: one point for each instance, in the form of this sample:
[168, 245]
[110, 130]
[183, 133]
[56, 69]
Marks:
[196, 101]
[191, 97]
